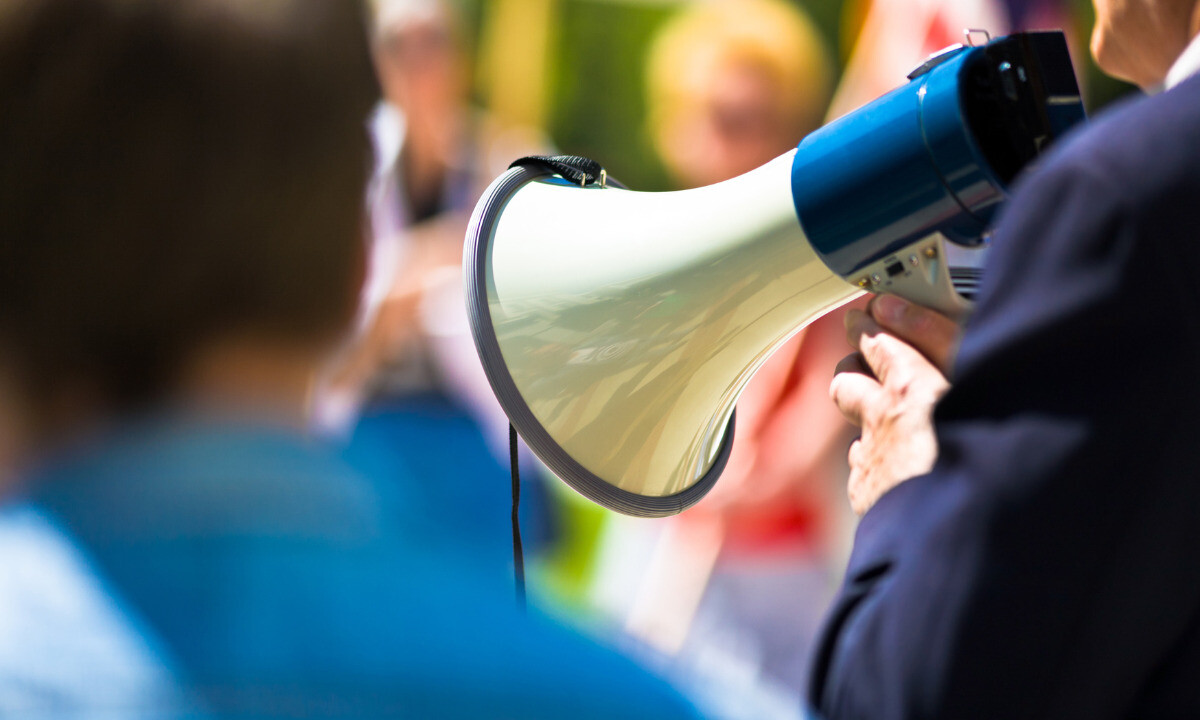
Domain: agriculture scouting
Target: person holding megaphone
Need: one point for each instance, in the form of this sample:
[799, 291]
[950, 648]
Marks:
[1028, 539]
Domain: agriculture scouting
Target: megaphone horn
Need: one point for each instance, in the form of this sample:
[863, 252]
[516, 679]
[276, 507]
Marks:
[618, 328]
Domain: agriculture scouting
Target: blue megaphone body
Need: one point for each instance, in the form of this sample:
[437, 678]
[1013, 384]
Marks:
[936, 155]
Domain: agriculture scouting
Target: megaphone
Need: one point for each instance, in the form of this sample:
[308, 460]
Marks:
[617, 328]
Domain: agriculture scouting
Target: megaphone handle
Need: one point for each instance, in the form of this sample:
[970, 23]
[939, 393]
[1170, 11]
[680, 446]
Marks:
[919, 273]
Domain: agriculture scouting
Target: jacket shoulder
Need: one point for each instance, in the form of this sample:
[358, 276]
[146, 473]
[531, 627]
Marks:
[1144, 150]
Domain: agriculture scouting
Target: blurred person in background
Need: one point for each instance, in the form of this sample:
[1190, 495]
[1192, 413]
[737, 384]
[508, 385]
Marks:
[409, 398]
[735, 587]
[181, 251]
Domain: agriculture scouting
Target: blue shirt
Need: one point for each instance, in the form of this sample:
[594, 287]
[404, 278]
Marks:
[279, 585]
[70, 646]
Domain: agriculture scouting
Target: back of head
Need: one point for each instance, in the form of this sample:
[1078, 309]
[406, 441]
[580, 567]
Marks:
[175, 170]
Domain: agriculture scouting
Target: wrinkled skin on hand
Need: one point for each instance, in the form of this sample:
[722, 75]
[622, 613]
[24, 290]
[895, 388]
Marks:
[889, 388]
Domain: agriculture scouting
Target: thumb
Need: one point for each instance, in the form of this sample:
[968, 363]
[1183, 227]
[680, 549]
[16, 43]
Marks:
[930, 332]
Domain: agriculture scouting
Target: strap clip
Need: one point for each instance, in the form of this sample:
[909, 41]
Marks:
[573, 168]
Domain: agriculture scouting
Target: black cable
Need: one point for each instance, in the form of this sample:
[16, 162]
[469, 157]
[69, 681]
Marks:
[583, 171]
[518, 553]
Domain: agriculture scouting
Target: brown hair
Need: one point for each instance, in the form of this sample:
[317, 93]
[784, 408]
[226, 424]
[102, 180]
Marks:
[171, 170]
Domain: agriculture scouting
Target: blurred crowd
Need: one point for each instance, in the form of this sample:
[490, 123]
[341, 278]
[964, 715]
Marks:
[252, 464]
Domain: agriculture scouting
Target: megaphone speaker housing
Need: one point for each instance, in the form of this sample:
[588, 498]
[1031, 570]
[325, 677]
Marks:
[477, 266]
[618, 328]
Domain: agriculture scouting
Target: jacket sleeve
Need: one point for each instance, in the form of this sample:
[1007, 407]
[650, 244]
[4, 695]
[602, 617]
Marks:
[1003, 583]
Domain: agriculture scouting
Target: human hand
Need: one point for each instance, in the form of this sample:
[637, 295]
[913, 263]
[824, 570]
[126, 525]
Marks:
[889, 389]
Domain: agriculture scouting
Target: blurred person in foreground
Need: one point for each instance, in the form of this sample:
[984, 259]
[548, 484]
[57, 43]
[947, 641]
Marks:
[181, 250]
[735, 587]
[1029, 542]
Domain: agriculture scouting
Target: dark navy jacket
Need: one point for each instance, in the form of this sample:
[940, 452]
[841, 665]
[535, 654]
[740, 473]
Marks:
[1049, 565]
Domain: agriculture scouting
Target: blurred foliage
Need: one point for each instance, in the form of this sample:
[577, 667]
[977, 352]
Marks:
[603, 116]
[597, 89]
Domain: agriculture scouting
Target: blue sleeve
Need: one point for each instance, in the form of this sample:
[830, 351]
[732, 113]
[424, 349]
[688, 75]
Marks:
[275, 628]
[1008, 581]
[269, 578]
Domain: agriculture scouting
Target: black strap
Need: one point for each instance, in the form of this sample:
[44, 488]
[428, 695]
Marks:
[518, 552]
[582, 171]
[576, 169]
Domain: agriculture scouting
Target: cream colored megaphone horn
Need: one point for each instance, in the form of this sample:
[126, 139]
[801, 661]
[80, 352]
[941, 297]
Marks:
[618, 328]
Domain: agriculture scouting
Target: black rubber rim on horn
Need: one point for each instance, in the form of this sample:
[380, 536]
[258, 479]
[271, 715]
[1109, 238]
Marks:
[588, 484]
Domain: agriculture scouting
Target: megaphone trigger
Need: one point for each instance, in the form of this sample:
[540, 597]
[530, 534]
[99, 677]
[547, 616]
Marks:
[921, 273]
